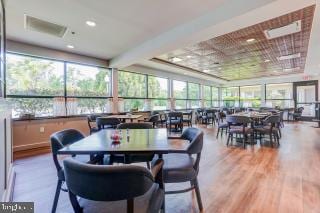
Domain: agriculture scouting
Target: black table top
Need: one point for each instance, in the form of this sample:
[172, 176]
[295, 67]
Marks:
[134, 141]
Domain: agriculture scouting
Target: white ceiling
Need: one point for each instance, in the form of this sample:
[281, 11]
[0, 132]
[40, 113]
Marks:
[121, 24]
[133, 31]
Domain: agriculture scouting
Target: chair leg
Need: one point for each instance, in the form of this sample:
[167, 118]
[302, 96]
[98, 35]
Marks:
[228, 139]
[271, 142]
[56, 196]
[148, 165]
[196, 185]
[218, 132]
[74, 202]
[280, 133]
[130, 205]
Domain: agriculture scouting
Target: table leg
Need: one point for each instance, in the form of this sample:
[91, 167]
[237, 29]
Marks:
[161, 184]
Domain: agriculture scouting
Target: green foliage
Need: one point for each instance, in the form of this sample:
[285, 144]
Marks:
[32, 76]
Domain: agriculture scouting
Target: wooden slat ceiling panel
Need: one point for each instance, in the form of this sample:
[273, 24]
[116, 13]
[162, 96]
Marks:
[231, 57]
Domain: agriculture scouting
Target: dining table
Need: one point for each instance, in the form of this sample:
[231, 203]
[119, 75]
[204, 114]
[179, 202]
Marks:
[133, 141]
[124, 118]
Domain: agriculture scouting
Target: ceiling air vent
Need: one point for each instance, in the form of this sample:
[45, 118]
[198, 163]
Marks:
[294, 27]
[35, 24]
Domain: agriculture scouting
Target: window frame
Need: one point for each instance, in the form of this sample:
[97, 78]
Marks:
[65, 96]
[278, 99]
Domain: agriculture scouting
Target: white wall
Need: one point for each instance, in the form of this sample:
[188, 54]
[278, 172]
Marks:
[29, 49]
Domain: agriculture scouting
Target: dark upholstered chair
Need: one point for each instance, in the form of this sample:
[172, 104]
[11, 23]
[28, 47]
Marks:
[222, 126]
[120, 189]
[239, 125]
[271, 128]
[92, 119]
[58, 141]
[175, 119]
[187, 118]
[182, 167]
[154, 119]
[209, 116]
[107, 123]
[296, 115]
[135, 157]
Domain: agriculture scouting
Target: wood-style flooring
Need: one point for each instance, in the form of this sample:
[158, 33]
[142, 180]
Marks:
[257, 179]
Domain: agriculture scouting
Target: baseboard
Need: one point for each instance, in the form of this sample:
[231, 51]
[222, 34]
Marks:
[8, 193]
[31, 146]
[31, 152]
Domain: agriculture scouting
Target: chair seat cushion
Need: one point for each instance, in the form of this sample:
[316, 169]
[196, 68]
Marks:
[178, 168]
[147, 203]
[234, 129]
[266, 129]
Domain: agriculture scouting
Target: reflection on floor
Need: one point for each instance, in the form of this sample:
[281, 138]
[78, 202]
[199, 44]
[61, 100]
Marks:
[257, 179]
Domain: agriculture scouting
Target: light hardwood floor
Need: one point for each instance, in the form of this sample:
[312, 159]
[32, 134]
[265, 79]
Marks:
[257, 179]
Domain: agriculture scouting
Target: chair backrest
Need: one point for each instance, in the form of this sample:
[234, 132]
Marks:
[195, 136]
[210, 112]
[300, 110]
[61, 139]
[106, 183]
[135, 126]
[175, 115]
[272, 119]
[188, 114]
[154, 113]
[92, 118]
[154, 118]
[107, 121]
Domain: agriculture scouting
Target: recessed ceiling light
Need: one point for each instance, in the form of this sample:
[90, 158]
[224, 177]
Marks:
[91, 23]
[250, 40]
[267, 60]
[206, 71]
[70, 46]
[176, 59]
[189, 56]
[184, 73]
[219, 68]
[286, 57]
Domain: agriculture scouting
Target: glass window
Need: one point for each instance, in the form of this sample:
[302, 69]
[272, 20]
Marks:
[157, 87]
[280, 103]
[132, 85]
[207, 104]
[230, 96]
[181, 104]
[206, 92]
[215, 93]
[279, 91]
[88, 81]
[159, 104]
[215, 103]
[250, 96]
[194, 104]
[134, 105]
[78, 106]
[34, 76]
[193, 91]
[39, 107]
[180, 89]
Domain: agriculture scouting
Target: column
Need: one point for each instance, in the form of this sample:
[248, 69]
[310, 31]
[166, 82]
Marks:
[115, 99]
